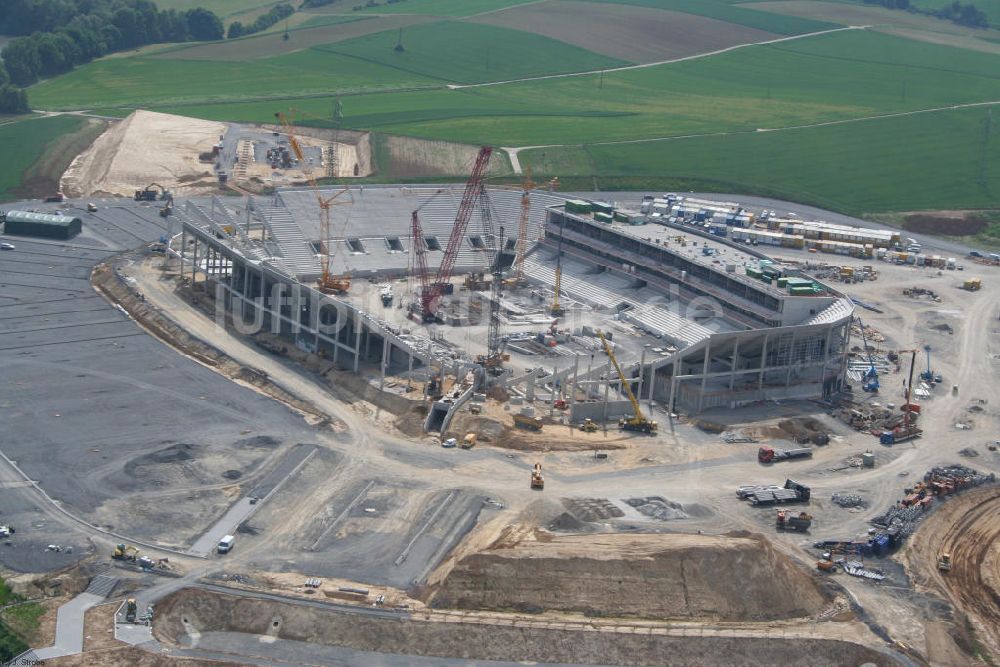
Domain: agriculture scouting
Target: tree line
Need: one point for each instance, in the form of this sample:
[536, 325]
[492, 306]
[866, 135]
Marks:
[54, 36]
[262, 22]
[956, 12]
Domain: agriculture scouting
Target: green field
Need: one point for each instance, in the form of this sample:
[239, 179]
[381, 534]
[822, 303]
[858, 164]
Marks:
[923, 161]
[470, 53]
[224, 8]
[25, 142]
[772, 86]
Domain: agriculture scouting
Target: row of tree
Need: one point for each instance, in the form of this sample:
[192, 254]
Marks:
[107, 26]
[262, 22]
[957, 12]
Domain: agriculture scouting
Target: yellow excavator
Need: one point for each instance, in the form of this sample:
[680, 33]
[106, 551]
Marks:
[637, 421]
[125, 552]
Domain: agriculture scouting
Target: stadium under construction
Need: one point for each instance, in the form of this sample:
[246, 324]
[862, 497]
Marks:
[696, 321]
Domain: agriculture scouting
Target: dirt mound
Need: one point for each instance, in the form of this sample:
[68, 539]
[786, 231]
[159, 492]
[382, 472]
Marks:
[258, 442]
[193, 612]
[924, 223]
[119, 163]
[652, 576]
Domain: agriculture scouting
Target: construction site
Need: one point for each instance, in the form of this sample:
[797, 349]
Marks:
[488, 424]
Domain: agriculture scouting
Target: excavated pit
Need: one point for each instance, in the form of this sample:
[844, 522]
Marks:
[661, 576]
[186, 616]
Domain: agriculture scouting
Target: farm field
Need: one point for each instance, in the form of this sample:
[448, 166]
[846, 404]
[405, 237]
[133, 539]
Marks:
[990, 7]
[626, 32]
[932, 160]
[454, 8]
[25, 142]
[469, 53]
[224, 8]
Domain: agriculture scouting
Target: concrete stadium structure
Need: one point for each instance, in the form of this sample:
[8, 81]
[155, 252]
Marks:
[691, 330]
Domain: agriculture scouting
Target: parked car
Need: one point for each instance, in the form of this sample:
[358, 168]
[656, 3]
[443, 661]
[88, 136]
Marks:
[6, 246]
[449, 443]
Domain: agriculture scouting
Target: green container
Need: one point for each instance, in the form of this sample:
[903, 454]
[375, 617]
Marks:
[753, 273]
[603, 217]
[603, 207]
[782, 282]
[578, 206]
[620, 217]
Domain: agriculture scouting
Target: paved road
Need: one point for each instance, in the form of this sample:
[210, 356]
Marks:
[69, 627]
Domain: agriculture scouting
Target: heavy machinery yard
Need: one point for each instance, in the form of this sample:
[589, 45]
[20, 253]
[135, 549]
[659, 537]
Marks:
[628, 459]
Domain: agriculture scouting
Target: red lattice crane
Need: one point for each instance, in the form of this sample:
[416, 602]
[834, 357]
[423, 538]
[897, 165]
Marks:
[431, 291]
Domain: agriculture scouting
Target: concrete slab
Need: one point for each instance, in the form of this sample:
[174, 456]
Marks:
[69, 627]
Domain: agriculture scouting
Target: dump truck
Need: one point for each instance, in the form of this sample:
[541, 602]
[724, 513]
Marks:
[530, 423]
[589, 426]
[770, 455]
[799, 523]
[944, 563]
[972, 284]
[469, 441]
[537, 481]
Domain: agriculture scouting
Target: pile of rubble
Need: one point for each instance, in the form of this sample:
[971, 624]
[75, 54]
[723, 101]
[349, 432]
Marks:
[872, 334]
[915, 292]
[848, 501]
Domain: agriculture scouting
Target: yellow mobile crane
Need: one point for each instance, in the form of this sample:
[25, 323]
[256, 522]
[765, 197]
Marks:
[637, 422]
[328, 283]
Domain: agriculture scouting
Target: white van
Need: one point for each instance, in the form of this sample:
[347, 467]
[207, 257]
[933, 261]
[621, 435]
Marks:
[225, 544]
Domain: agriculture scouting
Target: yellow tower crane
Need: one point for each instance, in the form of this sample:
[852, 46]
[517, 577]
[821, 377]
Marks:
[522, 228]
[636, 422]
[328, 283]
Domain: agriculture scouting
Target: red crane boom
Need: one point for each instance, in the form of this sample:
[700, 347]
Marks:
[431, 293]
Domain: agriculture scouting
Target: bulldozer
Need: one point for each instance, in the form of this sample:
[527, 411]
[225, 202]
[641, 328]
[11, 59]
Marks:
[944, 563]
[589, 426]
[125, 552]
[537, 481]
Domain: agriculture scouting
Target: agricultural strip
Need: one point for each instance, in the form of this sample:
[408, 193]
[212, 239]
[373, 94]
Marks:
[470, 53]
[27, 153]
[637, 34]
[732, 13]
[270, 44]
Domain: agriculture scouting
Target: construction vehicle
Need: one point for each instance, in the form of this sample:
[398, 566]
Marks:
[57, 198]
[944, 563]
[327, 283]
[826, 565]
[148, 193]
[130, 610]
[167, 208]
[870, 378]
[770, 455]
[537, 481]
[530, 423]
[929, 375]
[386, 295]
[432, 290]
[560, 404]
[7, 531]
[973, 284]
[798, 523]
[589, 426]
[469, 441]
[92, 208]
[769, 494]
[637, 421]
[125, 552]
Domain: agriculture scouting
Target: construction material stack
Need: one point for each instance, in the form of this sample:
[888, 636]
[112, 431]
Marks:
[770, 455]
[799, 523]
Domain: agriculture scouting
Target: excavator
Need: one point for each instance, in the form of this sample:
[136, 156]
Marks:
[125, 552]
[149, 194]
[637, 421]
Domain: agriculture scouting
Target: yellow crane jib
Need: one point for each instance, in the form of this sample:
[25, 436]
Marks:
[637, 421]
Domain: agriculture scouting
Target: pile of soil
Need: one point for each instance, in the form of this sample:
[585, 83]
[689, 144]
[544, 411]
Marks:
[924, 223]
[653, 576]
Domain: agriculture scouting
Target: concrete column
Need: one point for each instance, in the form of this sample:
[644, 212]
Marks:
[357, 345]
[194, 261]
[790, 360]
[529, 389]
[576, 373]
[642, 367]
[763, 364]
[409, 369]
[183, 246]
[607, 388]
[385, 352]
[704, 373]
[735, 365]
